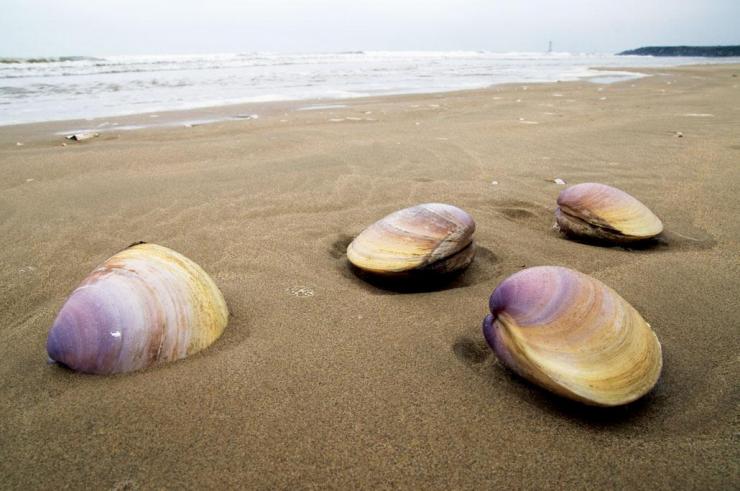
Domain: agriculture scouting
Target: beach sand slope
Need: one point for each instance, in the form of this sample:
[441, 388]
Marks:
[322, 380]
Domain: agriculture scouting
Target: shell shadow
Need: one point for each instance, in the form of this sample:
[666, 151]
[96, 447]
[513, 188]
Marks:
[643, 245]
[483, 268]
[665, 242]
[696, 239]
[595, 416]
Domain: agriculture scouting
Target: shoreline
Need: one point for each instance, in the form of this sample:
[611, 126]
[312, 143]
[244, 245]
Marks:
[154, 120]
[324, 380]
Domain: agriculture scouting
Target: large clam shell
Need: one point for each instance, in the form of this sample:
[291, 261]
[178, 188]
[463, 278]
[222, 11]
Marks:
[145, 305]
[573, 335]
[431, 237]
[602, 212]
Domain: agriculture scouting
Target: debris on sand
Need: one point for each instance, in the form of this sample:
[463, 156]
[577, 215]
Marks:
[82, 136]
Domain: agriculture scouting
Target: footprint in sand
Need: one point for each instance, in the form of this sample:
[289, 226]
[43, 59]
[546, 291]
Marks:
[522, 211]
[516, 214]
[471, 351]
[338, 248]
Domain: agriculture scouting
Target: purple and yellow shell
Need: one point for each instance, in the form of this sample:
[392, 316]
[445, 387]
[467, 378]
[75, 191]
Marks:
[602, 212]
[572, 335]
[431, 237]
[143, 306]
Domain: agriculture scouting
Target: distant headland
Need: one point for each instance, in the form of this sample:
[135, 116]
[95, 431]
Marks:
[710, 51]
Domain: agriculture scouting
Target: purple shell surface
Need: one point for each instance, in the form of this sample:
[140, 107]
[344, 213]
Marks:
[145, 305]
[573, 335]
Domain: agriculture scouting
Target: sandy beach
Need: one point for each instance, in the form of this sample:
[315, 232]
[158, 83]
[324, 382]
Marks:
[322, 380]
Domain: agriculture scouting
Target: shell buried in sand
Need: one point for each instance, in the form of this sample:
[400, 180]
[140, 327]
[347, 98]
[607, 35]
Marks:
[573, 335]
[602, 212]
[429, 238]
[143, 306]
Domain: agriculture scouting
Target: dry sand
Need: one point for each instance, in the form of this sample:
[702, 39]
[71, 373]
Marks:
[322, 380]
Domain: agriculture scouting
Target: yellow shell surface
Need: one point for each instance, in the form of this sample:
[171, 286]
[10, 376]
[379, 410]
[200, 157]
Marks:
[610, 209]
[574, 336]
[412, 238]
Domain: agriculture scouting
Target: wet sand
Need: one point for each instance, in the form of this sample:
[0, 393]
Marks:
[322, 380]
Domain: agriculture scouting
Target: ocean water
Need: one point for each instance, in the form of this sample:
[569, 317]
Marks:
[33, 90]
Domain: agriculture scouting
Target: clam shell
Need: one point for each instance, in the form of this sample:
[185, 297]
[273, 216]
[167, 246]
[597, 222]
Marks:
[573, 335]
[431, 237]
[145, 305]
[602, 212]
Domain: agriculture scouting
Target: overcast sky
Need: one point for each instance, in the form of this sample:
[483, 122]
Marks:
[106, 27]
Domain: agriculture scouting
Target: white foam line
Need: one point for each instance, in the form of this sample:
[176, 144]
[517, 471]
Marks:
[318, 107]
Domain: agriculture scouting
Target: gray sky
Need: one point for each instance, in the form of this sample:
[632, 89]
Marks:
[105, 27]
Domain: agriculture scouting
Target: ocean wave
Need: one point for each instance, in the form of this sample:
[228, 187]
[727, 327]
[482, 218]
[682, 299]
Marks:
[42, 89]
[57, 59]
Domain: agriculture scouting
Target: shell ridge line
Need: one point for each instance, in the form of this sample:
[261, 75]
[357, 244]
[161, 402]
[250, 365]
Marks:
[162, 324]
[587, 302]
[408, 233]
[588, 219]
[152, 299]
[535, 372]
[137, 256]
[587, 384]
[190, 312]
[211, 316]
[177, 304]
[197, 311]
[457, 232]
